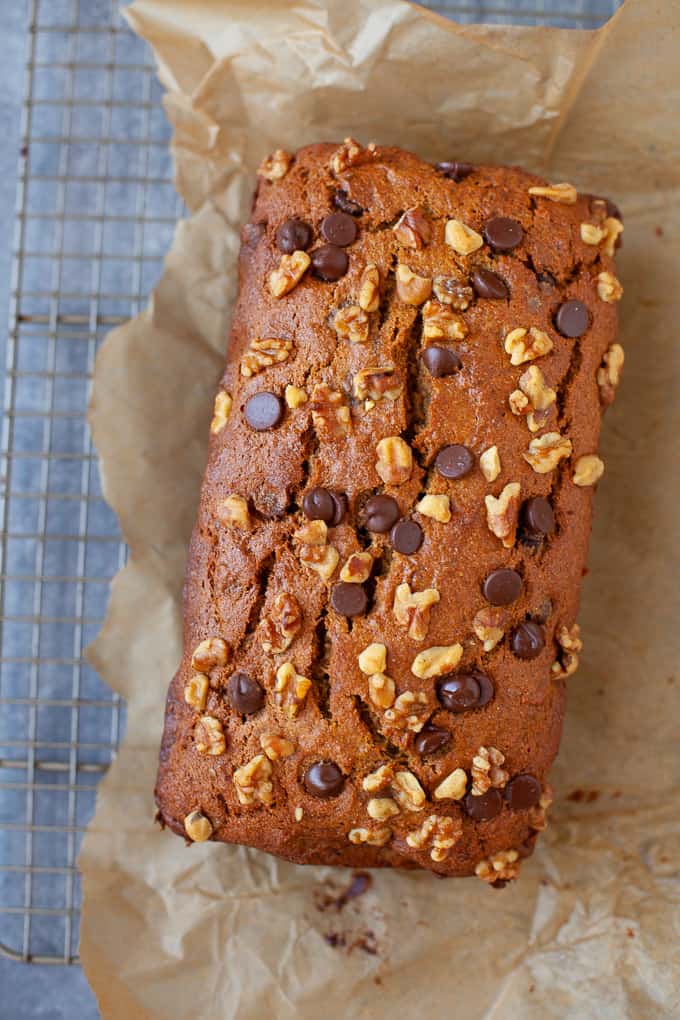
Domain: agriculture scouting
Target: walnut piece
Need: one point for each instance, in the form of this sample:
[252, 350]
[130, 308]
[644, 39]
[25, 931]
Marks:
[352, 323]
[538, 814]
[395, 460]
[369, 289]
[276, 166]
[412, 609]
[289, 273]
[436, 661]
[372, 837]
[298, 813]
[330, 413]
[490, 464]
[276, 747]
[411, 288]
[373, 659]
[314, 551]
[264, 352]
[613, 227]
[454, 291]
[592, 234]
[407, 791]
[407, 713]
[502, 514]
[527, 345]
[252, 781]
[609, 288]
[500, 867]
[290, 689]
[209, 736]
[233, 511]
[197, 827]
[381, 690]
[486, 771]
[588, 470]
[438, 833]
[569, 640]
[221, 411]
[209, 654]
[382, 808]
[438, 507]
[533, 398]
[349, 154]
[609, 372]
[489, 625]
[357, 568]
[414, 229]
[461, 238]
[196, 691]
[378, 780]
[295, 397]
[453, 787]
[564, 194]
[375, 383]
[282, 624]
[440, 322]
[547, 451]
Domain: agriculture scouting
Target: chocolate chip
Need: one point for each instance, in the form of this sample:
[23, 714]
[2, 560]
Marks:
[503, 233]
[527, 640]
[441, 361]
[347, 204]
[340, 503]
[484, 807]
[252, 233]
[538, 517]
[323, 779]
[501, 587]
[460, 692]
[454, 169]
[319, 505]
[348, 599]
[381, 513]
[406, 537]
[489, 285]
[245, 694]
[522, 792]
[572, 319]
[454, 461]
[430, 739]
[294, 235]
[329, 263]
[264, 411]
[339, 228]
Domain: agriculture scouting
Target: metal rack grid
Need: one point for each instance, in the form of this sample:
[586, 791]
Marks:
[95, 213]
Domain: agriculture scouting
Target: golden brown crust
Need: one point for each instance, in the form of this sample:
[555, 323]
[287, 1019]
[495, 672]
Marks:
[245, 555]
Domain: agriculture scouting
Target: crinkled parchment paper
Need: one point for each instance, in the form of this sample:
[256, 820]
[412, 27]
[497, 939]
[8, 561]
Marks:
[591, 929]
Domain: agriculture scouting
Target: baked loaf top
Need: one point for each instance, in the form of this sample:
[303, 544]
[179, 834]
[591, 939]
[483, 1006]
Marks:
[383, 579]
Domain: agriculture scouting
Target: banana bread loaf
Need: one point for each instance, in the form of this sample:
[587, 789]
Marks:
[383, 580]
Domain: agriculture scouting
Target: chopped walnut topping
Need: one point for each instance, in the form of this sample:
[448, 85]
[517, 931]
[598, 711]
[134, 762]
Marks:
[209, 654]
[436, 660]
[533, 398]
[486, 771]
[438, 507]
[408, 791]
[291, 270]
[609, 372]
[276, 166]
[357, 568]
[321, 558]
[221, 411]
[209, 736]
[414, 229]
[412, 289]
[526, 345]
[408, 712]
[352, 323]
[609, 288]
[295, 397]
[569, 640]
[538, 814]
[453, 787]
[412, 609]
[197, 827]
[372, 837]
[547, 451]
[588, 470]
[298, 813]
[313, 533]
[382, 808]
[395, 460]
[252, 781]
[282, 624]
[592, 234]
[454, 291]
[564, 194]
[290, 689]
[375, 383]
[500, 867]
[502, 514]
[438, 833]
[369, 289]
[196, 691]
[489, 625]
[378, 780]
[373, 659]
[613, 227]
[233, 511]
[440, 322]
[330, 413]
[461, 238]
[262, 353]
[381, 690]
[490, 464]
[349, 154]
[276, 747]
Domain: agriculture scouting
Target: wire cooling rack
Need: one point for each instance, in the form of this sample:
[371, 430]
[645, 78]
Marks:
[95, 213]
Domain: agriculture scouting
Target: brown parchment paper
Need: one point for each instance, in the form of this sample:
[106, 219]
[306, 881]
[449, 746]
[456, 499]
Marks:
[591, 928]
